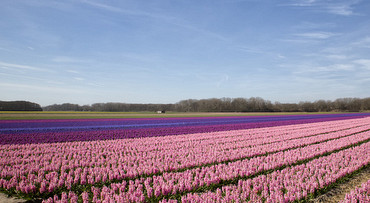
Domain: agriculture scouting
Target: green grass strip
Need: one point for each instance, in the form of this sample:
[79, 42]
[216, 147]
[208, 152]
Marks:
[31, 115]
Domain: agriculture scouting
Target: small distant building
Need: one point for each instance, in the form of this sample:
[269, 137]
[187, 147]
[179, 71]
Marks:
[161, 111]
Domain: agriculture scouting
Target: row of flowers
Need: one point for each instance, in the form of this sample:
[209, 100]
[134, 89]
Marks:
[76, 130]
[47, 168]
[7, 125]
[174, 183]
[286, 185]
[133, 157]
[289, 184]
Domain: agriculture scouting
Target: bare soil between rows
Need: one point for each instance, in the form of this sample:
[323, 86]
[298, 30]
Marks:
[5, 199]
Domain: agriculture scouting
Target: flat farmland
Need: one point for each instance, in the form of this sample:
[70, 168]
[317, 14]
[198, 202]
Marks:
[216, 157]
[24, 115]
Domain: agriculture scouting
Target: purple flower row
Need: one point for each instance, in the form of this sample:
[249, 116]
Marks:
[84, 124]
[34, 136]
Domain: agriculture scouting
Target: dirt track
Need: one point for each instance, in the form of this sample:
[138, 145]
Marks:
[5, 199]
[338, 193]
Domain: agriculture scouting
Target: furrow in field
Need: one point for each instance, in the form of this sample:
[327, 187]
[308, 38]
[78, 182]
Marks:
[359, 194]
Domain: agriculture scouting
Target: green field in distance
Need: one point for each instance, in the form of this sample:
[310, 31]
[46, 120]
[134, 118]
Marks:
[15, 115]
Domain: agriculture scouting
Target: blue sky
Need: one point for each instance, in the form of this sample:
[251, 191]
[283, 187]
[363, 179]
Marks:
[164, 51]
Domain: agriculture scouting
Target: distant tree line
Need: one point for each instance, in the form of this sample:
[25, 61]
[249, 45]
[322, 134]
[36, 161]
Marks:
[109, 107]
[19, 106]
[253, 104]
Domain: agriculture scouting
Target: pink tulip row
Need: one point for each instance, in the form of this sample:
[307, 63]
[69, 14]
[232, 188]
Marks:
[292, 183]
[359, 194]
[187, 181]
[129, 155]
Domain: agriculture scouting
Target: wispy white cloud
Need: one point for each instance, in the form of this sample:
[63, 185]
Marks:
[4, 49]
[132, 12]
[78, 78]
[19, 76]
[251, 50]
[336, 73]
[67, 59]
[211, 79]
[259, 51]
[306, 25]
[364, 42]
[73, 71]
[95, 84]
[54, 82]
[139, 57]
[40, 88]
[24, 67]
[302, 3]
[344, 9]
[316, 35]
[363, 62]
[338, 7]
[5, 68]
[160, 17]
[330, 68]
[223, 79]
[299, 41]
[104, 6]
[30, 78]
[188, 26]
[37, 34]
[337, 56]
[281, 56]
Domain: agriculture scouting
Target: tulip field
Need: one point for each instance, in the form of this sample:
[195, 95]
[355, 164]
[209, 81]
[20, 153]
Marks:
[277, 158]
